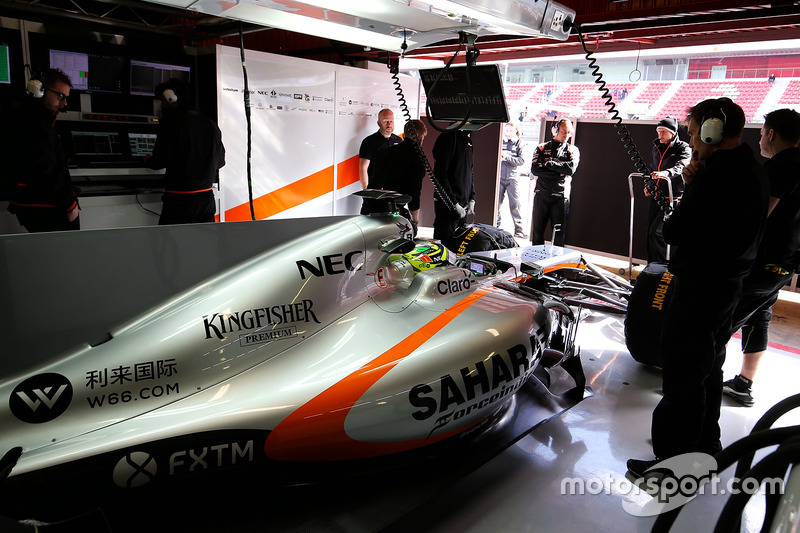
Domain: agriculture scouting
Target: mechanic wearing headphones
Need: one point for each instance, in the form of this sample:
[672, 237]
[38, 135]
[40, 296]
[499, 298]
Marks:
[37, 181]
[715, 231]
[554, 163]
[670, 155]
[189, 146]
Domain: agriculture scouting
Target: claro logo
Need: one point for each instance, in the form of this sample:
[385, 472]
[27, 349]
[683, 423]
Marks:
[41, 398]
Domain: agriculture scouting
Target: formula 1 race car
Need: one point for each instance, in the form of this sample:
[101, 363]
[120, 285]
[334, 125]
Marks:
[343, 340]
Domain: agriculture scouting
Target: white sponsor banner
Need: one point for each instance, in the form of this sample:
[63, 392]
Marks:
[307, 122]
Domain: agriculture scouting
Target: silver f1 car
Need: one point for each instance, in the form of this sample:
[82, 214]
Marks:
[343, 340]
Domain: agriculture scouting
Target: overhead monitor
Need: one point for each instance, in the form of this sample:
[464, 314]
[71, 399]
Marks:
[5, 63]
[90, 72]
[450, 98]
[146, 76]
[74, 64]
[105, 73]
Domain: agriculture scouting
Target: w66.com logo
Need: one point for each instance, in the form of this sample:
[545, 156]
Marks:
[670, 484]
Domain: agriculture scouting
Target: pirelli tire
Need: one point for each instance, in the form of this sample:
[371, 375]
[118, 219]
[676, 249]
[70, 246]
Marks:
[648, 304]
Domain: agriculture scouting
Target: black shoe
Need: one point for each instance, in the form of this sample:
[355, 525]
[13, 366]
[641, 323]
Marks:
[739, 390]
[639, 467]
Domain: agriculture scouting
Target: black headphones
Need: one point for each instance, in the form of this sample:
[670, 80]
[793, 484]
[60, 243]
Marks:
[557, 124]
[712, 128]
[35, 86]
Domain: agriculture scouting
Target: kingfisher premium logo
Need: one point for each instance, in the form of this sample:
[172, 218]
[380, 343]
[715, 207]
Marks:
[220, 324]
[41, 398]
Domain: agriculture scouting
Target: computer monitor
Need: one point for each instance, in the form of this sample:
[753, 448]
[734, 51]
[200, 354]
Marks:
[74, 64]
[146, 76]
[5, 63]
[141, 144]
[450, 97]
[90, 72]
[96, 143]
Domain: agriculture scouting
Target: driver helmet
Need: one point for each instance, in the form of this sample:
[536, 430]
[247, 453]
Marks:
[426, 257]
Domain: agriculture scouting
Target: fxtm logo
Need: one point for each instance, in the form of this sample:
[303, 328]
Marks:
[41, 398]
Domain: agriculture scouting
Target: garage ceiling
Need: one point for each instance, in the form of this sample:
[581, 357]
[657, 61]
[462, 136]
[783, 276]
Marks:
[608, 25]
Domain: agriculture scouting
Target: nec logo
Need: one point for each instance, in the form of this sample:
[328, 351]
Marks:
[329, 264]
[41, 398]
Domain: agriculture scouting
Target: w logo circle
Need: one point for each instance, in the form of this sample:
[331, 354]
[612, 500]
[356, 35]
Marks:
[41, 398]
[134, 470]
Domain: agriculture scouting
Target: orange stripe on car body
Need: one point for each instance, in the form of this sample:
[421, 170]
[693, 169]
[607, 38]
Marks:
[316, 430]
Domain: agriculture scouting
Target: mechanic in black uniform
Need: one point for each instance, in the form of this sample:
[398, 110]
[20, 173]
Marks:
[554, 163]
[189, 146]
[37, 181]
[670, 155]
[714, 231]
[372, 144]
[400, 168]
[452, 166]
[511, 161]
[779, 255]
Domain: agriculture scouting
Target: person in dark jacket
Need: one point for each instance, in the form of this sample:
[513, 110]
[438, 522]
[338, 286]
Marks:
[400, 168]
[779, 255]
[452, 166]
[715, 232]
[554, 163]
[373, 144]
[511, 161]
[670, 156]
[37, 181]
[189, 146]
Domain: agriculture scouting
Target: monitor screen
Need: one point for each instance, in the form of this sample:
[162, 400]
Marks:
[96, 143]
[74, 64]
[5, 64]
[450, 97]
[105, 73]
[141, 143]
[146, 76]
[90, 72]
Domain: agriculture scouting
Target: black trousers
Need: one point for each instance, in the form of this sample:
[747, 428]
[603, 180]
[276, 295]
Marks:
[760, 291]
[188, 208]
[446, 222]
[697, 326]
[656, 245]
[547, 207]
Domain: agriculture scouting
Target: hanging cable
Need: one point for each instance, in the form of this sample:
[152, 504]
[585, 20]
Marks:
[651, 186]
[438, 190]
[247, 119]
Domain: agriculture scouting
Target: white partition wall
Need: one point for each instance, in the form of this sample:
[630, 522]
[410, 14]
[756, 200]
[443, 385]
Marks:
[307, 122]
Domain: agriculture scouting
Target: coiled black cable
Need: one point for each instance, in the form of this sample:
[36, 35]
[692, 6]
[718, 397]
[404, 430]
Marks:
[650, 184]
[438, 190]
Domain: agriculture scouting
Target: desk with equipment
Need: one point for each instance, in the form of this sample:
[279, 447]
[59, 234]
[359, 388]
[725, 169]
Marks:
[105, 154]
